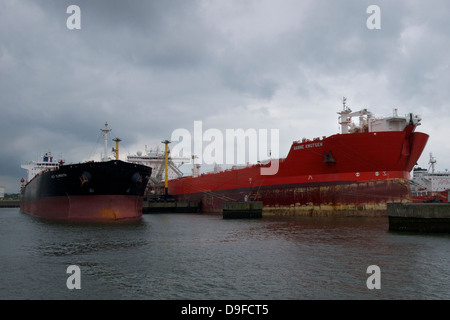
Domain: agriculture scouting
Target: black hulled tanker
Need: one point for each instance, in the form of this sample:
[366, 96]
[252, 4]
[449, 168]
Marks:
[92, 191]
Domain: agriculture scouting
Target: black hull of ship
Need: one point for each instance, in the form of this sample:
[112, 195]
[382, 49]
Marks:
[111, 190]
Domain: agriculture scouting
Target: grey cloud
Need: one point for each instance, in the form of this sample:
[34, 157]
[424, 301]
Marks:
[149, 67]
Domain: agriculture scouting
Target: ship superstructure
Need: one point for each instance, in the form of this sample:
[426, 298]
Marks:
[430, 185]
[46, 163]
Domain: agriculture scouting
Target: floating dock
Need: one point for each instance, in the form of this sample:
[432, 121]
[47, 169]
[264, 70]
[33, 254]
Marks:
[242, 210]
[170, 207]
[419, 217]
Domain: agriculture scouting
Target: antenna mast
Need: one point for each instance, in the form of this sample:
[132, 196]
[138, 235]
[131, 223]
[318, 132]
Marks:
[432, 162]
[105, 132]
[344, 119]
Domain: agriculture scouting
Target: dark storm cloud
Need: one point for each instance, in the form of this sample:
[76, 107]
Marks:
[149, 67]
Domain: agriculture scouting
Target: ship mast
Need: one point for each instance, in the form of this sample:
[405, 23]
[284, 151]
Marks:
[344, 119]
[116, 149]
[432, 162]
[166, 166]
[105, 132]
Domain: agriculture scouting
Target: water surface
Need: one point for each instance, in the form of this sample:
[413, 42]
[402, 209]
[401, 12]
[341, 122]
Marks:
[194, 256]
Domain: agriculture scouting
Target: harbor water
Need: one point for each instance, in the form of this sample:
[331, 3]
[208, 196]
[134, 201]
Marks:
[204, 257]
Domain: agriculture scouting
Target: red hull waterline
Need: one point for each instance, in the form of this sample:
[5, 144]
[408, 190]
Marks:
[86, 208]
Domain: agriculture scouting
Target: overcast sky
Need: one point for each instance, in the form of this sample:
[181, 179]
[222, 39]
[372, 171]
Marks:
[150, 67]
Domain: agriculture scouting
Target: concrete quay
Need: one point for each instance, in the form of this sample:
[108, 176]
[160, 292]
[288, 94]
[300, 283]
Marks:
[419, 217]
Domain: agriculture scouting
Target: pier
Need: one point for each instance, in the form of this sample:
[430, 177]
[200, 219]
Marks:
[170, 207]
[242, 210]
[419, 217]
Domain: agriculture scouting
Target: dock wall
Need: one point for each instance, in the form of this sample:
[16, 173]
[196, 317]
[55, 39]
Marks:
[419, 217]
[242, 210]
[170, 207]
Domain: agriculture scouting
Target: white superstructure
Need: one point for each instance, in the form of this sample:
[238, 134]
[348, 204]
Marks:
[430, 180]
[35, 167]
[369, 123]
[47, 162]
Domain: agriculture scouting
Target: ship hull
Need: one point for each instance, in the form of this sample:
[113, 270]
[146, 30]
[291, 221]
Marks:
[432, 196]
[345, 175]
[339, 198]
[93, 191]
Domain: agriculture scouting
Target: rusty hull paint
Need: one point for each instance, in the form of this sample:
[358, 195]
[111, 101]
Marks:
[368, 198]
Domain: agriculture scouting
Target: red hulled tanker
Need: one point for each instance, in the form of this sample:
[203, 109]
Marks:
[356, 172]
